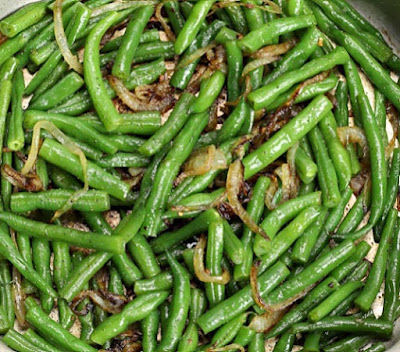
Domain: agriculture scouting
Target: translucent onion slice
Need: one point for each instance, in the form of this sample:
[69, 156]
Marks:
[234, 182]
[265, 322]
[195, 55]
[354, 135]
[203, 274]
[252, 65]
[61, 39]
[273, 50]
[109, 302]
[170, 34]
[121, 5]
[71, 146]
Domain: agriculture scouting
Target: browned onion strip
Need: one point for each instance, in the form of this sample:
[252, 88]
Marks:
[283, 173]
[270, 193]
[255, 292]
[252, 65]
[201, 161]
[231, 347]
[353, 134]
[273, 50]
[18, 295]
[109, 302]
[234, 182]
[265, 322]
[133, 102]
[61, 39]
[203, 274]
[29, 182]
[195, 55]
[170, 34]
[393, 118]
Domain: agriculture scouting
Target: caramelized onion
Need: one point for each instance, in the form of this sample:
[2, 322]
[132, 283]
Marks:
[29, 182]
[265, 322]
[159, 101]
[170, 34]
[255, 292]
[252, 65]
[61, 39]
[195, 55]
[121, 5]
[234, 182]
[107, 301]
[270, 193]
[353, 134]
[203, 274]
[274, 50]
[283, 173]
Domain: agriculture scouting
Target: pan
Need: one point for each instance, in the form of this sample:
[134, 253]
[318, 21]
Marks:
[384, 14]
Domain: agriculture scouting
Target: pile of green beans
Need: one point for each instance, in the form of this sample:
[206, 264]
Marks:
[198, 175]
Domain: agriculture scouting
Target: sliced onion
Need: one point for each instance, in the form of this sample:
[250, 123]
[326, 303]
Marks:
[252, 65]
[170, 34]
[283, 173]
[270, 193]
[195, 55]
[134, 103]
[203, 274]
[231, 347]
[61, 39]
[203, 160]
[121, 5]
[71, 146]
[234, 182]
[393, 117]
[274, 50]
[29, 182]
[353, 134]
[255, 292]
[107, 301]
[265, 322]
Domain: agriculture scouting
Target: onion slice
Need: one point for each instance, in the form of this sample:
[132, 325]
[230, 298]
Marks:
[273, 50]
[29, 182]
[234, 182]
[353, 134]
[121, 5]
[61, 39]
[270, 193]
[195, 55]
[71, 146]
[265, 322]
[255, 292]
[109, 302]
[170, 34]
[203, 274]
[251, 66]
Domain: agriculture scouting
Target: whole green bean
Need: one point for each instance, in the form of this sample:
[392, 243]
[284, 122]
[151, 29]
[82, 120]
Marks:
[5, 99]
[15, 140]
[228, 331]
[235, 67]
[39, 341]
[135, 310]
[149, 327]
[377, 274]
[287, 136]
[353, 217]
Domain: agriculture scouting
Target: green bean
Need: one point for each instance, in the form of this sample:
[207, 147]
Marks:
[190, 339]
[15, 140]
[135, 310]
[22, 202]
[225, 35]
[341, 111]
[378, 347]
[287, 136]
[40, 55]
[327, 178]
[39, 341]
[227, 332]
[233, 247]
[303, 247]
[392, 277]
[265, 34]
[380, 112]
[255, 209]
[285, 343]
[53, 330]
[353, 342]
[392, 186]
[353, 217]
[359, 272]
[235, 67]
[238, 19]
[170, 129]
[343, 270]
[174, 15]
[298, 313]
[5, 98]
[130, 42]
[148, 36]
[372, 326]
[6, 186]
[123, 160]
[168, 170]
[333, 301]
[6, 296]
[192, 25]
[215, 245]
[242, 300]
[160, 282]
[59, 156]
[180, 79]
[210, 88]
[55, 232]
[8, 69]
[17, 342]
[339, 155]
[275, 220]
[179, 307]
[376, 276]
[149, 327]
[93, 78]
